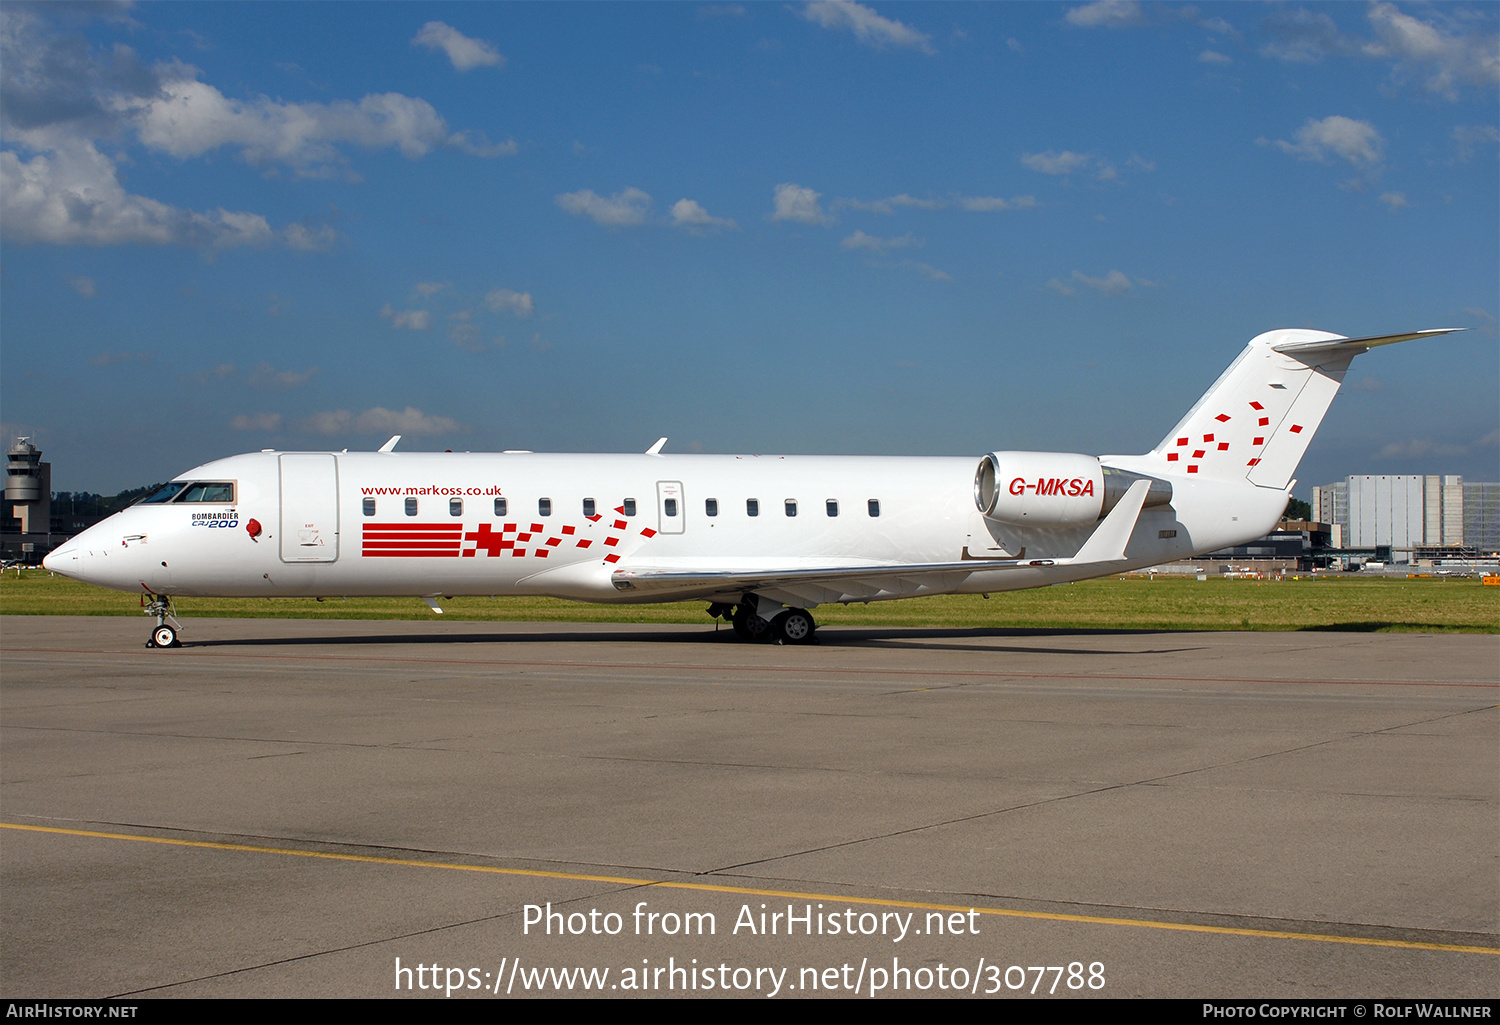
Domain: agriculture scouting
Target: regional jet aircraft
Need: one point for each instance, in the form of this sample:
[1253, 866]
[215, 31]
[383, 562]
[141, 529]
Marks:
[761, 539]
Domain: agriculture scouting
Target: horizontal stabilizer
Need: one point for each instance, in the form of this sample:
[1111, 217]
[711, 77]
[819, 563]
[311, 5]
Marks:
[1355, 346]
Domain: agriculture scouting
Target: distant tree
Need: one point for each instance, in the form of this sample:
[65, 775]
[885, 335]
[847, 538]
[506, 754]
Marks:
[1296, 509]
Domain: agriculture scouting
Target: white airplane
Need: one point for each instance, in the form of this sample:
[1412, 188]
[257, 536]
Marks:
[762, 539]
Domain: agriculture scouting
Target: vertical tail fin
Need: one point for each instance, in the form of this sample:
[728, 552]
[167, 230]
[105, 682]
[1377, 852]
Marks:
[1256, 421]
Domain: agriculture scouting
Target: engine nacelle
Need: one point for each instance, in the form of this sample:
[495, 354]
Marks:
[1054, 489]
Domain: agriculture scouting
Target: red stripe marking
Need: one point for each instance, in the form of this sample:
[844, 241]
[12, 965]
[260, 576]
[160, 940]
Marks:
[1198, 453]
[536, 528]
[1192, 469]
[568, 529]
[620, 524]
[648, 532]
[1256, 405]
[1258, 441]
[611, 541]
[1263, 421]
[584, 542]
[1223, 446]
[1296, 428]
[409, 555]
[611, 558]
[1182, 441]
[1208, 437]
[1222, 417]
[1171, 457]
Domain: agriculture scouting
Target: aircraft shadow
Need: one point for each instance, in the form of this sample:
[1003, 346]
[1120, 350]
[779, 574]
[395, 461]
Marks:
[886, 638]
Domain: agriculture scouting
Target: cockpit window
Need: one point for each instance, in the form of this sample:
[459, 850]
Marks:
[165, 493]
[219, 492]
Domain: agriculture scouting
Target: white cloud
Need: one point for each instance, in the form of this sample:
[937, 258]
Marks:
[868, 27]
[256, 422]
[85, 287]
[189, 118]
[1355, 141]
[927, 271]
[869, 243]
[72, 196]
[1214, 57]
[1107, 14]
[1053, 162]
[1467, 137]
[379, 420]
[1394, 200]
[428, 289]
[309, 240]
[1446, 48]
[519, 303]
[411, 320]
[622, 210]
[1411, 41]
[689, 214]
[798, 203]
[465, 53]
[1060, 287]
[1419, 447]
[263, 375]
[1112, 283]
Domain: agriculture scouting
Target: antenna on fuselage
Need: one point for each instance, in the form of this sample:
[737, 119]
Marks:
[655, 450]
[390, 446]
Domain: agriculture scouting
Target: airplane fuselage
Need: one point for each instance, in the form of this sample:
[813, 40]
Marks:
[478, 524]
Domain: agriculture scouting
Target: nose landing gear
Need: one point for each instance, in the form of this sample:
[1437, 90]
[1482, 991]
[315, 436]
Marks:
[160, 606]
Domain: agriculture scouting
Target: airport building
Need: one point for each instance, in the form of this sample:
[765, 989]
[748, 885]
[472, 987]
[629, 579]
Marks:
[1422, 518]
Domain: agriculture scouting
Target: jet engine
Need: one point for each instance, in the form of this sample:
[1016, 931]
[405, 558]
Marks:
[1054, 489]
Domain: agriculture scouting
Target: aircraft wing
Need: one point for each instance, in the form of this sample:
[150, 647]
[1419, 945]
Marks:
[818, 584]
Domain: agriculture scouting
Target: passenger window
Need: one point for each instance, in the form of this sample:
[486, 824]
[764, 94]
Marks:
[544, 507]
[629, 507]
[411, 507]
[670, 506]
[833, 507]
[499, 507]
[710, 507]
[369, 505]
[791, 507]
[588, 507]
[752, 507]
[874, 507]
[455, 507]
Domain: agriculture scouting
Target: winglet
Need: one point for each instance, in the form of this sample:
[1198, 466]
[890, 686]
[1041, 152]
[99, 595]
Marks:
[655, 450]
[1107, 543]
[390, 446]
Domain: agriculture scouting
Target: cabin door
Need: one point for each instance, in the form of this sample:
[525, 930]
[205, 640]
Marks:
[309, 507]
[671, 512]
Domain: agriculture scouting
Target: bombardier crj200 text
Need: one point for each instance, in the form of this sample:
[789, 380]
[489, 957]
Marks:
[762, 539]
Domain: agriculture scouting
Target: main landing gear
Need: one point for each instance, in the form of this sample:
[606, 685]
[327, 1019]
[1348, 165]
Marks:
[160, 606]
[789, 626]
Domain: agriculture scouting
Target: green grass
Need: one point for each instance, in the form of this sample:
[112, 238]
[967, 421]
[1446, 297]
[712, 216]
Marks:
[1435, 605]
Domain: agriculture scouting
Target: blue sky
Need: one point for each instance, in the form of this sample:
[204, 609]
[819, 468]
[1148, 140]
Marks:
[812, 228]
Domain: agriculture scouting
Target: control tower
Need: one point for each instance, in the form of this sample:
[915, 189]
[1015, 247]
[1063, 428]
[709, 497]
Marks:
[28, 487]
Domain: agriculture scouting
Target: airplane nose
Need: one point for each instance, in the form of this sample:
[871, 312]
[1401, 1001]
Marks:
[59, 560]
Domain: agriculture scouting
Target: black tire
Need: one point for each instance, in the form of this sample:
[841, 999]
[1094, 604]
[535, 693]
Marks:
[794, 626]
[163, 637]
[748, 626]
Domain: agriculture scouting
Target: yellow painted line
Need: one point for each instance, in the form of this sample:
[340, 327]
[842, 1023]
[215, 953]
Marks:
[1139, 923]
